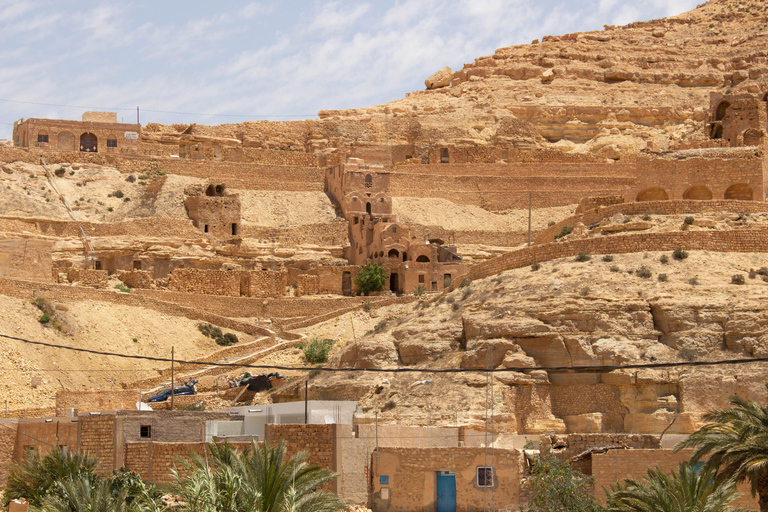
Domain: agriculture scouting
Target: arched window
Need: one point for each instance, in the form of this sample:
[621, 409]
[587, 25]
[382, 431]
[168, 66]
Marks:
[721, 110]
[89, 143]
[393, 253]
[368, 208]
[698, 193]
[652, 194]
[368, 181]
[422, 259]
[740, 191]
[65, 141]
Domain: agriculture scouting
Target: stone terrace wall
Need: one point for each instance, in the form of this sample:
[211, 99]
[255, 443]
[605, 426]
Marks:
[149, 227]
[328, 234]
[26, 258]
[270, 156]
[95, 401]
[743, 240]
[678, 207]
[29, 290]
[88, 277]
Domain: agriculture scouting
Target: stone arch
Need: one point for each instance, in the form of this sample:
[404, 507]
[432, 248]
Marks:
[652, 194]
[740, 191]
[721, 110]
[752, 137]
[89, 143]
[699, 193]
[65, 141]
[765, 96]
[405, 256]
[422, 259]
[393, 253]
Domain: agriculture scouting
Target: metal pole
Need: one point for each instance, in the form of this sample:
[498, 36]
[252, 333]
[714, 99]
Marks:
[306, 401]
[377, 439]
[172, 376]
[530, 197]
[137, 115]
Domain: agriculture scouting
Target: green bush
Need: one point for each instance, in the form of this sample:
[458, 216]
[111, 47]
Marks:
[615, 268]
[465, 282]
[567, 230]
[688, 220]
[121, 287]
[60, 172]
[45, 318]
[738, 279]
[644, 272]
[371, 278]
[584, 291]
[662, 278]
[608, 258]
[583, 256]
[226, 340]
[117, 193]
[380, 326]
[447, 281]
[679, 254]
[317, 350]
[551, 223]
[536, 266]
[131, 178]
[664, 259]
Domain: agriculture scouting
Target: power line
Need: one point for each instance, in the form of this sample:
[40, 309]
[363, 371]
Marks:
[567, 369]
[153, 111]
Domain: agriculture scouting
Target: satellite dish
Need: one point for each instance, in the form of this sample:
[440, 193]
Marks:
[329, 419]
[141, 406]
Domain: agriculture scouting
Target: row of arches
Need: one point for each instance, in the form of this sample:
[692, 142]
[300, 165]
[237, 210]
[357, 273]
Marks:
[395, 254]
[738, 191]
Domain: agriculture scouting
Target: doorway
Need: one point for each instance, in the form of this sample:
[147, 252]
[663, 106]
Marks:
[446, 491]
[89, 143]
[346, 283]
[393, 284]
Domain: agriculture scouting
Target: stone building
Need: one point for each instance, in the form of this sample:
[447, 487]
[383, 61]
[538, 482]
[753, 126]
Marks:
[738, 119]
[213, 210]
[98, 132]
[363, 195]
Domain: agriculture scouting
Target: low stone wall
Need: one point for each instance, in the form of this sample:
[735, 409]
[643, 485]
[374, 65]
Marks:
[88, 277]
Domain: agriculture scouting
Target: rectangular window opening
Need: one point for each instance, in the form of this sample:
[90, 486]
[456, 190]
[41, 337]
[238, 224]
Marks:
[205, 228]
[421, 278]
[484, 476]
[145, 431]
[137, 265]
[111, 143]
[42, 138]
[97, 265]
[234, 228]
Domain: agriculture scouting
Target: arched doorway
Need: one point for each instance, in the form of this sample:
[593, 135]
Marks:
[721, 110]
[652, 194]
[405, 256]
[89, 143]
[393, 253]
[393, 283]
[739, 191]
[422, 259]
[368, 208]
[65, 141]
[698, 193]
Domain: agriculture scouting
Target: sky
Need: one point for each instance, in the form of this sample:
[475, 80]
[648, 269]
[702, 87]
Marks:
[212, 63]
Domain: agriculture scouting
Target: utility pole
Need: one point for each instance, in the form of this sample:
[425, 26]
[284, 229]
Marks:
[172, 376]
[137, 115]
[530, 197]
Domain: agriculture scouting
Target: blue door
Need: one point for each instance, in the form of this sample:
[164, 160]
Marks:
[446, 491]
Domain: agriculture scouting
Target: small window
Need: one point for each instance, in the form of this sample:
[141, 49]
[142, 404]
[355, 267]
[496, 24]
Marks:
[145, 431]
[484, 476]
[111, 143]
[43, 138]
[97, 265]
[421, 278]
[205, 228]
[29, 451]
[356, 220]
[137, 265]
[234, 228]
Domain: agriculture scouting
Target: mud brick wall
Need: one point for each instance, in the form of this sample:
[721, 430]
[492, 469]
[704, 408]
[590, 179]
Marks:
[26, 258]
[267, 283]
[96, 436]
[307, 285]
[753, 239]
[679, 207]
[209, 282]
[95, 401]
[7, 443]
[615, 465]
[586, 398]
[318, 440]
[154, 461]
[88, 277]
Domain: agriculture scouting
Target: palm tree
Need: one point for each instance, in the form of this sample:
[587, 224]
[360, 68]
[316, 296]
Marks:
[687, 490]
[260, 479]
[95, 495]
[736, 442]
[36, 478]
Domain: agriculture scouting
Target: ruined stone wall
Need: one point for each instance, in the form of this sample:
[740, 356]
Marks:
[267, 283]
[88, 277]
[208, 282]
[270, 156]
[743, 240]
[218, 216]
[7, 444]
[318, 440]
[327, 234]
[26, 258]
[136, 278]
[678, 207]
[307, 285]
[149, 227]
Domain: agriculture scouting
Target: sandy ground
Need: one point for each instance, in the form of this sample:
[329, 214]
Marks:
[285, 209]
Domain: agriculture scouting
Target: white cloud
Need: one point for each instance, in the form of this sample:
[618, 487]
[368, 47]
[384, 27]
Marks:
[333, 16]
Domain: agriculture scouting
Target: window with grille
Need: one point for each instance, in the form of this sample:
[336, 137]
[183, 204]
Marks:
[484, 476]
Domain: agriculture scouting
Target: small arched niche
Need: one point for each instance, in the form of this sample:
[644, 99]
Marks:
[698, 193]
[652, 194]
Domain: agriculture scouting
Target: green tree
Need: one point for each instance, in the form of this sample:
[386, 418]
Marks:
[736, 441]
[35, 478]
[560, 488]
[260, 479]
[687, 490]
[94, 494]
[371, 278]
